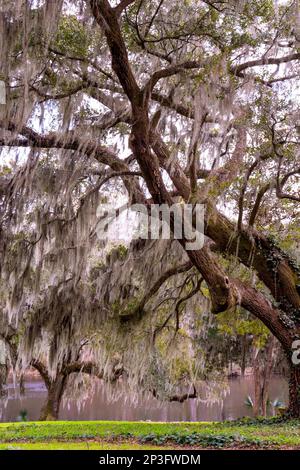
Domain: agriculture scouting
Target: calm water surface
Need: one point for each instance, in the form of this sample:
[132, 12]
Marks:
[98, 407]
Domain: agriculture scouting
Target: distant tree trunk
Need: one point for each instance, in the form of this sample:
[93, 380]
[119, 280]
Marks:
[243, 361]
[294, 392]
[55, 389]
[257, 388]
[263, 366]
[3, 378]
[22, 385]
[267, 373]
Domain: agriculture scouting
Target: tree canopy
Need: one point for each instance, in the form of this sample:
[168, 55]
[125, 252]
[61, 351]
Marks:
[147, 102]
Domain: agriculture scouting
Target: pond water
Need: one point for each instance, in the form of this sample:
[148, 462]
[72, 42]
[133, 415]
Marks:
[98, 407]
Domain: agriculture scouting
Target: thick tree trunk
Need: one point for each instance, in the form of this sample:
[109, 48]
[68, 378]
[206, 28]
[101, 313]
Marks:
[294, 392]
[50, 410]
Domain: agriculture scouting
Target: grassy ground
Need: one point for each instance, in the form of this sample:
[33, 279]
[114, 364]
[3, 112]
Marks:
[107, 435]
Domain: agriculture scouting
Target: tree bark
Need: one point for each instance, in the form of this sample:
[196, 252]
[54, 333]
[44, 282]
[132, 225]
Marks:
[294, 392]
[50, 410]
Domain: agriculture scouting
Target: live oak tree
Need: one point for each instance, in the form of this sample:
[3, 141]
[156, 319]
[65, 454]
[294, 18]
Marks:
[191, 101]
[57, 373]
[64, 333]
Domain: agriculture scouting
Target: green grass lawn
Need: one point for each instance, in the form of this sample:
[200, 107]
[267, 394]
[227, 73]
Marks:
[149, 435]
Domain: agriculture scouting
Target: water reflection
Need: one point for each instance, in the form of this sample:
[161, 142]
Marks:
[98, 406]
